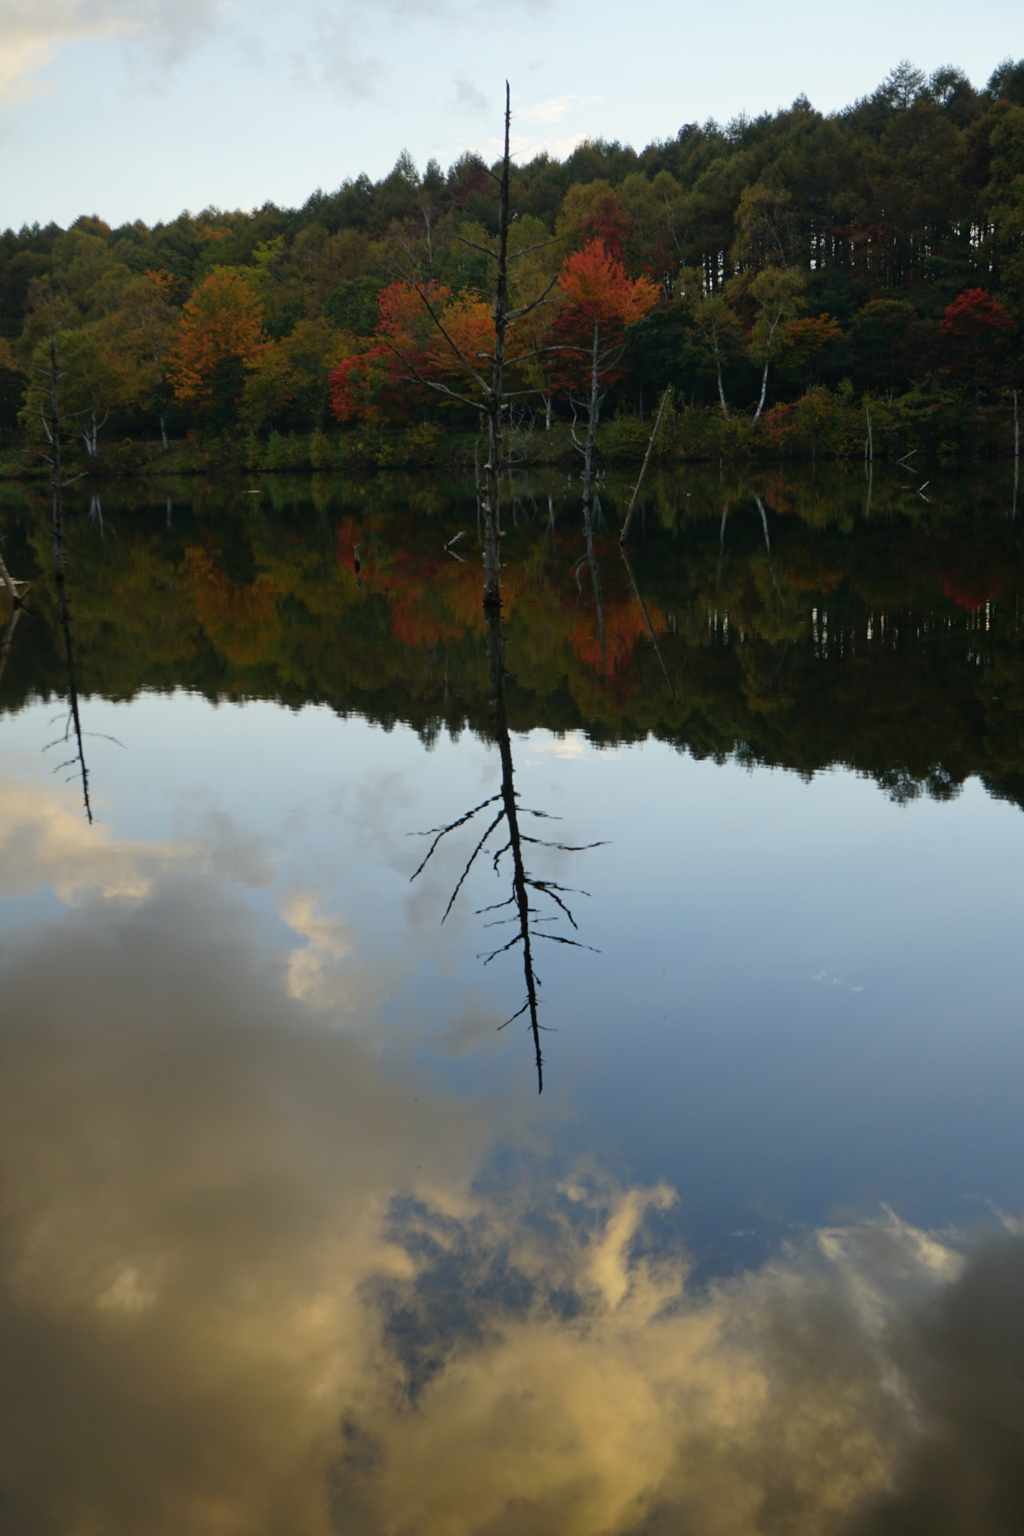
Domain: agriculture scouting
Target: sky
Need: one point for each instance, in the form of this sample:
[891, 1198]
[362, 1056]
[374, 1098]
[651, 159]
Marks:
[140, 108]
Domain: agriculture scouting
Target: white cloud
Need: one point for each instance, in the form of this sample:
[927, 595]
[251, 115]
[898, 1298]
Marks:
[553, 110]
[317, 973]
[46, 841]
[31, 31]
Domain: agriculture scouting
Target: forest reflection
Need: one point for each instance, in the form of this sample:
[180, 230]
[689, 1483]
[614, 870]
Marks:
[259, 1275]
[765, 617]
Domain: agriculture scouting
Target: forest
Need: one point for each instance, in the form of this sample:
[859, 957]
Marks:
[801, 282]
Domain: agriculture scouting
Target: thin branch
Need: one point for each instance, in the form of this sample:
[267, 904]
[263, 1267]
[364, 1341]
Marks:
[443, 831]
[472, 860]
[564, 847]
[477, 378]
[517, 1015]
[643, 610]
[518, 939]
[417, 378]
[526, 309]
[560, 938]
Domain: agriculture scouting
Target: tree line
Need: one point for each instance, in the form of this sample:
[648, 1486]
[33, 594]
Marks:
[873, 253]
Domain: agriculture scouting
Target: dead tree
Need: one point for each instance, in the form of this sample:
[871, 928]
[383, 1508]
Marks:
[17, 600]
[503, 812]
[46, 390]
[486, 371]
[624, 531]
[589, 559]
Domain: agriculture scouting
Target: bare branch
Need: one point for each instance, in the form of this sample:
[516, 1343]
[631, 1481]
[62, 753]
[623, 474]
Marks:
[418, 378]
[443, 831]
[477, 378]
[526, 309]
[565, 847]
[503, 950]
[517, 1015]
[472, 860]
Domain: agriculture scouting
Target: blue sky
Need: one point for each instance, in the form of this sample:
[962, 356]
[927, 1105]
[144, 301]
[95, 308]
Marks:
[139, 108]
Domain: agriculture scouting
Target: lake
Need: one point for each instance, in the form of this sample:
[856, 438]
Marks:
[291, 1242]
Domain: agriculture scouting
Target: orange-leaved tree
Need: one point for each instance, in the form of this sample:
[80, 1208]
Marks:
[598, 301]
[220, 332]
[384, 381]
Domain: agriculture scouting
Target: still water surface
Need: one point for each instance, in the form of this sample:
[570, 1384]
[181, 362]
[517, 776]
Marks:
[291, 1243]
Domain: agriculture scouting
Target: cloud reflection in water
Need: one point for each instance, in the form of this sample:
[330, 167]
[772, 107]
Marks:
[256, 1278]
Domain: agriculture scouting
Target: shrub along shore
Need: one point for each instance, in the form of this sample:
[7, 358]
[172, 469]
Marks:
[822, 424]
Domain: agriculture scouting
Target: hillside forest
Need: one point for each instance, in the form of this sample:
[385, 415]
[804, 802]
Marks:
[791, 277]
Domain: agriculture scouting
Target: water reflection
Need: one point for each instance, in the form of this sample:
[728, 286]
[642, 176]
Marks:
[72, 735]
[257, 1279]
[16, 592]
[888, 644]
[261, 1274]
[523, 915]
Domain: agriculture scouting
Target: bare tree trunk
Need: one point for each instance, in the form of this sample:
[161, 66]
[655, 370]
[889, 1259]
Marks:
[593, 415]
[643, 468]
[163, 436]
[595, 581]
[1016, 452]
[721, 391]
[520, 888]
[493, 402]
[647, 618]
[10, 585]
[721, 545]
[52, 424]
[8, 636]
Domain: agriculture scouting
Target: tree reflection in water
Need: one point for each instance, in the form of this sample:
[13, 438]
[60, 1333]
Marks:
[72, 733]
[523, 915]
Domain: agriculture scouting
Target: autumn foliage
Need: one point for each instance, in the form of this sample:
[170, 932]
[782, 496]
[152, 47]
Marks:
[746, 271]
[222, 319]
[976, 333]
[598, 301]
[597, 287]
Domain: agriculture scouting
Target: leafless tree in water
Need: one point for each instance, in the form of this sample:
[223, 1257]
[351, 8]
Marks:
[46, 399]
[17, 600]
[502, 813]
[589, 559]
[486, 371]
[503, 810]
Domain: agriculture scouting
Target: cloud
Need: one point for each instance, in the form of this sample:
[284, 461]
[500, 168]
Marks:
[31, 31]
[195, 1170]
[469, 96]
[553, 110]
[45, 841]
[322, 973]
